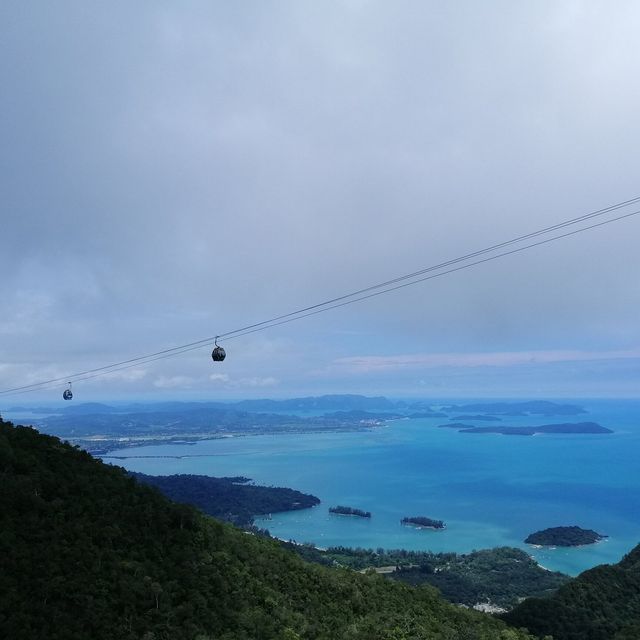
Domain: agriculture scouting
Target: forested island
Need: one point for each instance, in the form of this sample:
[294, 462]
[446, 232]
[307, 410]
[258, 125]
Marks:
[230, 499]
[349, 511]
[565, 428]
[564, 537]
[422, 521]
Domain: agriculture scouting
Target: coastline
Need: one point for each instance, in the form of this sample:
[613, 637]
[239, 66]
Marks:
[426, 461]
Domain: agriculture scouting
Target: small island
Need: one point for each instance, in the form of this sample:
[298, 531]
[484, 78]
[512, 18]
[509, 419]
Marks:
[424, 523]
[427, 414]
[349, 511]
[564, 537]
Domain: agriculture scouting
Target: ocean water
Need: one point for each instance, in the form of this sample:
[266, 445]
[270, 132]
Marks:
[490, 489]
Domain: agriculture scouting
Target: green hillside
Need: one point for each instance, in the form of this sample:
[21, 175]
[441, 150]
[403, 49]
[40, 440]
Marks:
[600, 604]
[88, 553]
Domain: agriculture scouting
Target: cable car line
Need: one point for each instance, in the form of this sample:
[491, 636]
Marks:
[284, 319]
[599, 212]
[436, 275]
[344, 300]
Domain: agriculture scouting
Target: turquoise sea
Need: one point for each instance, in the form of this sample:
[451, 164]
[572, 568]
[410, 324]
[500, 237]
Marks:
[490, 489]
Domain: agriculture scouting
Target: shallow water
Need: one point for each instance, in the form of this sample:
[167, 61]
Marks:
[490, 489]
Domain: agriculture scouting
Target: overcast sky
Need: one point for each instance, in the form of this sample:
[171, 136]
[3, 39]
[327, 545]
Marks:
[172, 171]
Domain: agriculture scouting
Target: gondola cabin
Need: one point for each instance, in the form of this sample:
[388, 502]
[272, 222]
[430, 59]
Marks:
[218, 354]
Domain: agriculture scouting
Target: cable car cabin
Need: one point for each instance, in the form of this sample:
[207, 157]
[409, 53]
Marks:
[67, 395]
[218, 354]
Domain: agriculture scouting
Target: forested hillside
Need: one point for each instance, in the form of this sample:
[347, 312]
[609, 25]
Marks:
[600, 604]
[502, 576]
[87, 552]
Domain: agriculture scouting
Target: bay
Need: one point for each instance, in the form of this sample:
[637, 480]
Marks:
[490, 489]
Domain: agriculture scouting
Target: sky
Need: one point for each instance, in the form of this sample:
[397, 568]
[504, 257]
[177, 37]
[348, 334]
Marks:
[174, 171]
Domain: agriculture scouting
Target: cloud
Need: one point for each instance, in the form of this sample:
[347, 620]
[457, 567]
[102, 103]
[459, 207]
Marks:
[27, 309]
[368, 364]
[127, 375]
[219, 377]
[175, 170]
[269, 381]
[173, 382]
[239, 383]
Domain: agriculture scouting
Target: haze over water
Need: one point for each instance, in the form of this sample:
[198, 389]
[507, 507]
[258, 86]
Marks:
[490, 489]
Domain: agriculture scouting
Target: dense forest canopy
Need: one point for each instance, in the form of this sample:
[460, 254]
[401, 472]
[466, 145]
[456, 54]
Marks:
[502, 576]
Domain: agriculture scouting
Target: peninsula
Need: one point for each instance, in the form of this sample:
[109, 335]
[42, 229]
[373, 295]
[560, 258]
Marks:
[564, 537]
[349, 511]
[423, 522]
[234, 500]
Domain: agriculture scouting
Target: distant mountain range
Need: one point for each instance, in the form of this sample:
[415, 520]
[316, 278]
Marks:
[315, 404]
[338, 402]
[100, 428]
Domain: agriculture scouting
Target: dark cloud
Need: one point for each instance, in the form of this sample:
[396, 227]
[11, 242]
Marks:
[171, 172]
